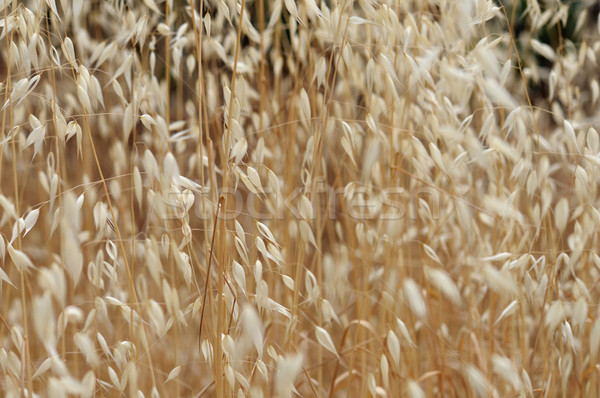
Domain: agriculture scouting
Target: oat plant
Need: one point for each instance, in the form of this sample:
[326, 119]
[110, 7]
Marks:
[316, 198]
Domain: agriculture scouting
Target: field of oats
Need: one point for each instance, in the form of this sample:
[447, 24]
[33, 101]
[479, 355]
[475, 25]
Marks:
[316, 198]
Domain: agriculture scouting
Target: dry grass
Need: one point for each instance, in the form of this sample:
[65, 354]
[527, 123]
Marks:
[315, 198]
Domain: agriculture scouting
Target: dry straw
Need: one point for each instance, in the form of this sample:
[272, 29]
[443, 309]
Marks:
[299, 198]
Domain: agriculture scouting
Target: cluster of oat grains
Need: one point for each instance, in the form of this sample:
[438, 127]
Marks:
[299, 198]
